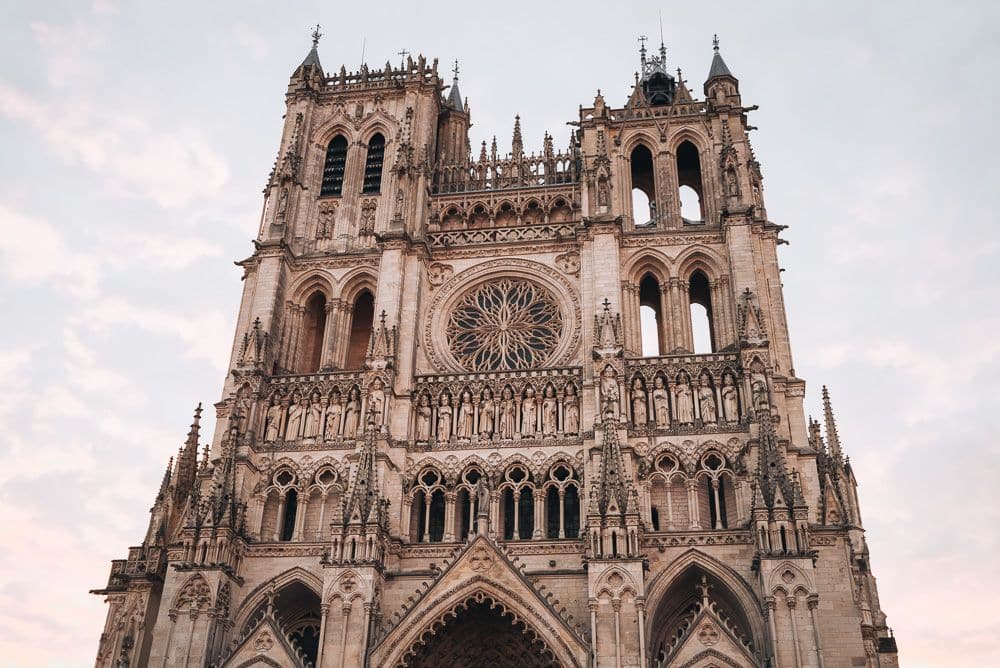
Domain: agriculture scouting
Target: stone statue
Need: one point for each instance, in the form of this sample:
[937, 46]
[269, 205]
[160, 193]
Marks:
[314, 418]
[507, 424]
[684, 400]
[352, 413]
[296, 415]
[272, 421]
[639, 410]
[758, 387]
[661, 402]
[424, 412]
[731, 186]
[376, 399]
[282, 202]
[487, 414]
[334, 412]
[730, 399]
[466, 426]
[444, 419]
[571, 411]
[529, 412]
[609, 391]
[482, 497]
[550, 412]
[706, 401]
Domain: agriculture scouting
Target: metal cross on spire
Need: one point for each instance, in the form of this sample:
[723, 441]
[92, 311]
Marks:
[455, 69]
[402, 56]
[316, 34]
[715, 43]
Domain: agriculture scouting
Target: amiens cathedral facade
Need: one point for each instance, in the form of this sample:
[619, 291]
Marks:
[524, 409]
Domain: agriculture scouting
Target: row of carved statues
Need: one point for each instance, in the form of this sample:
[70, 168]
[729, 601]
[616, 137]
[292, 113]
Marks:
[485, 417]
[323, 417]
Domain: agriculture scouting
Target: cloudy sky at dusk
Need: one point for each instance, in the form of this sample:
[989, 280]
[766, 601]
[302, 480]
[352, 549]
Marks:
[136, 139]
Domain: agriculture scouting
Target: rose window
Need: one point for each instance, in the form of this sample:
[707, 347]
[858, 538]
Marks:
[504, 324]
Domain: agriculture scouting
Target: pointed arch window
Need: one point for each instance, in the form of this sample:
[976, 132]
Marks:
[651, 323]
[689, 179]
[700, 297]
[373, 165]
[333, 167]
[643, 187]
[313, 332]
[362, 318]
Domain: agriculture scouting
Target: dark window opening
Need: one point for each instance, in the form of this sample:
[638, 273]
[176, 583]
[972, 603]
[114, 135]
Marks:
[689, 181]
[700, 296]
[526, 514]
[333, 168]
[655, 516]
[571, 507]
[373, 165]
[436, 528]
[643, 187]
[361, 330]
[291, 507]
[651, 325]
[315, 328]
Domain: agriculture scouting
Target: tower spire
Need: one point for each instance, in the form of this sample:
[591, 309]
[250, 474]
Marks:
[517, 143]
[454, 96]
[832, 438]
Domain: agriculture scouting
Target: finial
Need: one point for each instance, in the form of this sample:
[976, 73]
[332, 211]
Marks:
[316, 34]
[715, 43]
[455, 69]
[382, 318]
[642, 44]
[402, 53]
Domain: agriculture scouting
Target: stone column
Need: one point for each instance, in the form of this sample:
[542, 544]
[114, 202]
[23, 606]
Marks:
[813, 602]
[449, 517]
[772, 607]
[791, 603]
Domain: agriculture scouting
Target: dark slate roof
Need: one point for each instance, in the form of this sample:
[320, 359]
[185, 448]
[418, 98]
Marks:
[454, 97]
[312, 59]
[719, 68]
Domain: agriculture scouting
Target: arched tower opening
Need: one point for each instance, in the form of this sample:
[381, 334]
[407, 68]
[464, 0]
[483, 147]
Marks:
[362, 319]
[643, 187]
[373, 165]
[651, 322]
[689, 180]
[333, 167]
[297, 611]
[314, 328]
[700, 298]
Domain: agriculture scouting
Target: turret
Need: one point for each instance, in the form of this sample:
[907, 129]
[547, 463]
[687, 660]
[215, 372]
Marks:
[453, 126]
[721, 87]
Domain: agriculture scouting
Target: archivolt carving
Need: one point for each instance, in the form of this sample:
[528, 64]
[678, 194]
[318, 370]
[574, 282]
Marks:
[195, 595]
[542, 324]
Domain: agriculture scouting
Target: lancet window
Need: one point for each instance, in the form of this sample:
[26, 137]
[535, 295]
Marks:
[427, 508]
[313, 331]
[689, 180]
[652, 323]
[562, 503]
[517, 503]
[643, 187]
[279, 520]
[333, 167]
[702, 327]
[373, 165]
[362, 319]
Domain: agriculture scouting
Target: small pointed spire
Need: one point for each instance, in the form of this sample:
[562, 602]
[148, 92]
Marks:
[165, 483]
[312, 58]
[719, 67]
[454, 96]
[517, 144]
[833, 439]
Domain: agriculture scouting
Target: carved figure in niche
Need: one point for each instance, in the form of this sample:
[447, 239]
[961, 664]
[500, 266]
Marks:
[529, 412]
[444, 419]
[466, 426]
[507, 425]
[482, 497]
[352, 413]
[639, 411]
[314, 418]
[334, 412]
[661, 402]
[272, 421]
[706, 401]
[758, 387]
[609, 391]
[602, 191]
[487, 413]
[571, 411]
[282, 203]
[424, 412]
[296, 415]
[376, 397]
[730, 399]
[732, 188]
[684, 400]
[550, 411]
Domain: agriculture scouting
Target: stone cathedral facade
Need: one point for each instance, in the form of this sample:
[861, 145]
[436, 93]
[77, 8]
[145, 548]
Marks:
[533, 409]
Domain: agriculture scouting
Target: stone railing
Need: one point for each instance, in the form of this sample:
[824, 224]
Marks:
[686, 393]
[494, 235]
[502, 407]
[495, 173]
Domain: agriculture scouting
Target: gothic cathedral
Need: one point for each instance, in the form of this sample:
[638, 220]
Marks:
[533, 409]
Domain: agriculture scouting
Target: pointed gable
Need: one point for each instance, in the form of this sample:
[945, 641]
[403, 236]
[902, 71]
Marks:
[481, 572]
[708, 642]
[264, 646]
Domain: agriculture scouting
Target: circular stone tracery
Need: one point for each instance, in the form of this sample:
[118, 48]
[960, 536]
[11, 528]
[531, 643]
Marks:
[510, 323]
